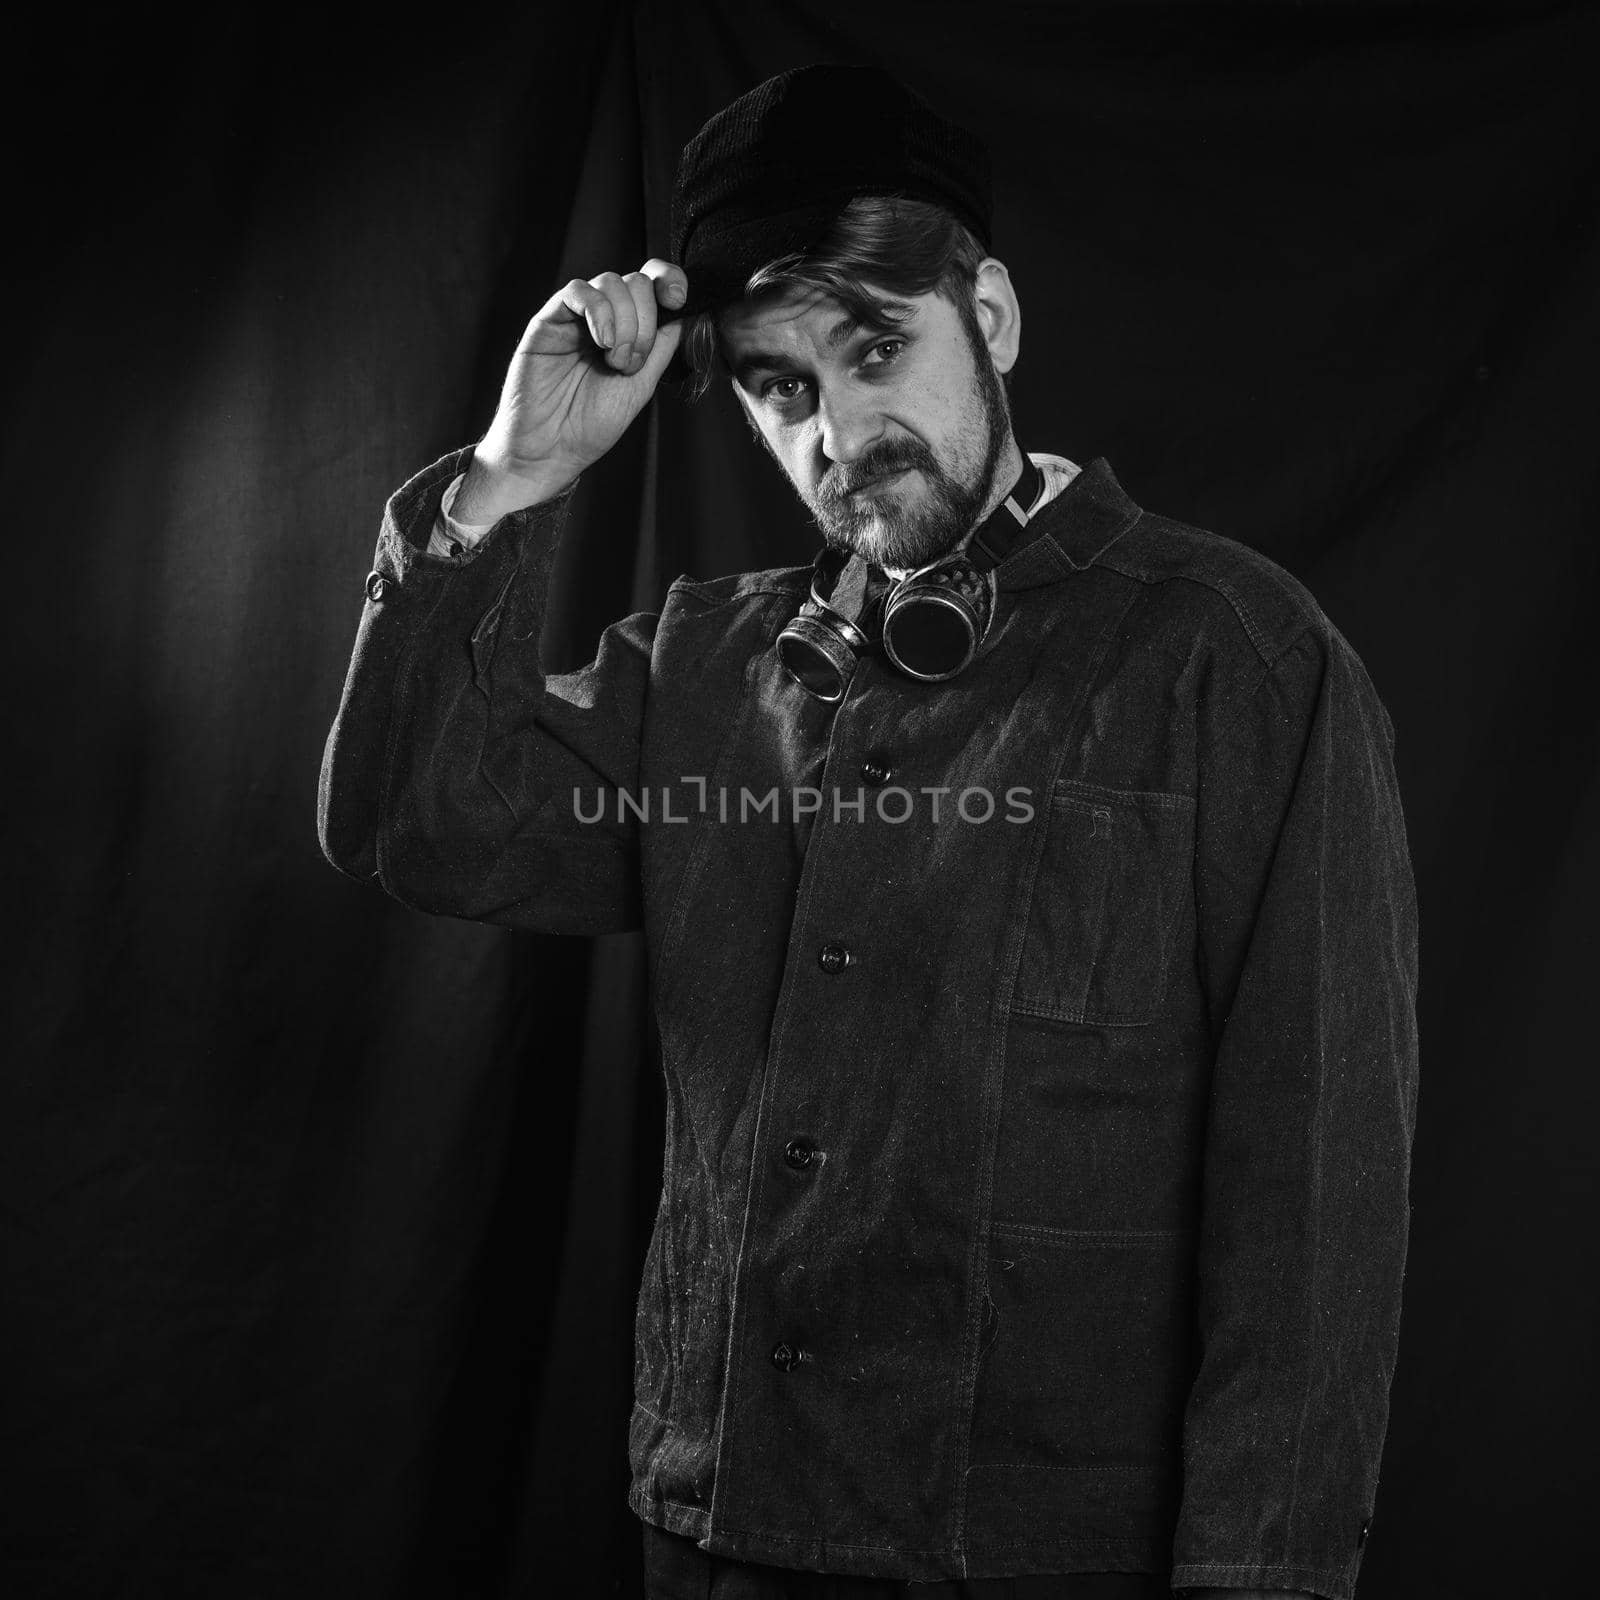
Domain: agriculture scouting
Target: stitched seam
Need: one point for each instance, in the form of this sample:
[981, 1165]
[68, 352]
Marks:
[1237, 707]
[1158, 797]
[1077, 1015]
[1332, 1574]
[1092, 1236]
[698, 590]
[1135, 1540]
[1218, 586]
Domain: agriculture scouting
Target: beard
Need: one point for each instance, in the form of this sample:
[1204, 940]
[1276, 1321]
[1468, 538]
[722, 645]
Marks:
[893, 526]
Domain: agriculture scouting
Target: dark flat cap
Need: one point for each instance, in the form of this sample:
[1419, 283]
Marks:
[768, 174]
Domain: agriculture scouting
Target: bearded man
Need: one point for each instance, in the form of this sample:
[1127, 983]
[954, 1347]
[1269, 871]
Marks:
[1030, 921]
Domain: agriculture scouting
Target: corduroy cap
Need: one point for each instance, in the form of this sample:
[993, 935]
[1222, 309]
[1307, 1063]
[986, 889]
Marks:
[768, 174]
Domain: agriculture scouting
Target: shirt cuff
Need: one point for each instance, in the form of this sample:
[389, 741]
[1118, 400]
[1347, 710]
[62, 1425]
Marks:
[450, 536]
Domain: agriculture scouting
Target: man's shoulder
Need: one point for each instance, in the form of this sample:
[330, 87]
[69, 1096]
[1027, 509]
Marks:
[1232, 583]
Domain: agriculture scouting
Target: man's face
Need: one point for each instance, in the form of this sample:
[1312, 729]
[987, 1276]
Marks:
[895, 442]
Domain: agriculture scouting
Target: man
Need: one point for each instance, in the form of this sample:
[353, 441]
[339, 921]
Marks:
[1030, 922]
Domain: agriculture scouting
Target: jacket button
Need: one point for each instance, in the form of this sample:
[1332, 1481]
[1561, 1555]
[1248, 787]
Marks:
[798, 1154]
[876, 771]
[784, 1356]
[833, 958]
[377, 586]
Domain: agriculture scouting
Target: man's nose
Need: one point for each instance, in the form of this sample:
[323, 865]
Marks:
[851, 422]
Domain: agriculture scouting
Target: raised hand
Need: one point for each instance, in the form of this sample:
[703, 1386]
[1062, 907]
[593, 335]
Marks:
[587, 365]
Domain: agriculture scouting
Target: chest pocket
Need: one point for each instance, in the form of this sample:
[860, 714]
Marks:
[1115, 870]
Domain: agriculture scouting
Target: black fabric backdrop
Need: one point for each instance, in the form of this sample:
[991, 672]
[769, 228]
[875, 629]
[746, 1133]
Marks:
[322, 1219]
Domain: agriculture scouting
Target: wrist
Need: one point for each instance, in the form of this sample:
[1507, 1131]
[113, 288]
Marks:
[493, 489]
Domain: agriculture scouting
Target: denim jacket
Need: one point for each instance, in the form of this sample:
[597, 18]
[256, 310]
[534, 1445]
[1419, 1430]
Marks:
[1040, 1046]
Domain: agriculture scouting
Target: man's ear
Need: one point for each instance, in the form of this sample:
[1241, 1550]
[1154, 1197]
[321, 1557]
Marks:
[999, 312]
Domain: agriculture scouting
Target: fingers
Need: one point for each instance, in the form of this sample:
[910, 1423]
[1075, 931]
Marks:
[580, 302]
[642, 294]
[618, 318]
[670, 280]
[621, 313]
[657, 282]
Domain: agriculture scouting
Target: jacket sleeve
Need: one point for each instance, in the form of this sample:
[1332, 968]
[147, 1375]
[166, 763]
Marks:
[1308, 955]
[456, 773]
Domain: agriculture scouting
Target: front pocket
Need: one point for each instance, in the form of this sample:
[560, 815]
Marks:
[1115, 868]
[1087, 1354]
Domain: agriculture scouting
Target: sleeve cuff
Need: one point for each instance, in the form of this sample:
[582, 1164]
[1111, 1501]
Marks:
[451, 536]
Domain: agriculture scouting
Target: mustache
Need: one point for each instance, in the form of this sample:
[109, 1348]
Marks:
[839, 485]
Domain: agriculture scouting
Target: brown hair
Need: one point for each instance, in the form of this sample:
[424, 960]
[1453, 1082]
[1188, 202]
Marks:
[906, 247]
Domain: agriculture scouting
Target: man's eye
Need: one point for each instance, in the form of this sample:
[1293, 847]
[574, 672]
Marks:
[785, 391]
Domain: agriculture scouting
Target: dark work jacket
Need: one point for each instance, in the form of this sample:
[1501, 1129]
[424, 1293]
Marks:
[1035, 1192]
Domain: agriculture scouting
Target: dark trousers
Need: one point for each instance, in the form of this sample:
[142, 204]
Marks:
[676, 1568]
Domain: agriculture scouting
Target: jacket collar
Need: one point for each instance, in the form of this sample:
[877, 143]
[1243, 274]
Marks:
[1074, 530]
